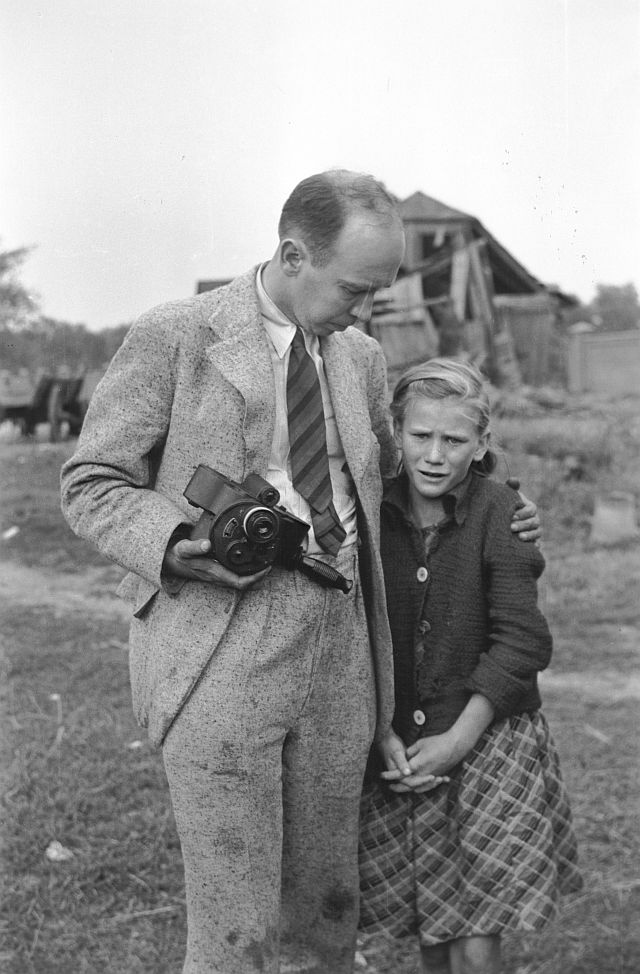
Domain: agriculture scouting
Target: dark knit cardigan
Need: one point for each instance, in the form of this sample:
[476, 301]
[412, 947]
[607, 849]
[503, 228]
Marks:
[464, 617]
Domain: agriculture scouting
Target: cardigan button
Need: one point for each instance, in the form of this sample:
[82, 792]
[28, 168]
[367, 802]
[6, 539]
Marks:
[422, 574]
[425, 626]
[419, 717]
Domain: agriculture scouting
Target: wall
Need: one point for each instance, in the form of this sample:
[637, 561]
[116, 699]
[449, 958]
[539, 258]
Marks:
[604, 362]
[529, 319]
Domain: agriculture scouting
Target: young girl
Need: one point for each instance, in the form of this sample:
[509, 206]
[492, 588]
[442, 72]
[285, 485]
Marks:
[466, 827]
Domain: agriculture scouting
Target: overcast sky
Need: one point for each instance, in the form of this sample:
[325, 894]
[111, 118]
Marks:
[149, 143]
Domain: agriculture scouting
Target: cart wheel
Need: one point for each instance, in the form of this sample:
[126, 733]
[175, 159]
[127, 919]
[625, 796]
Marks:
[75, 425]
[55, 412]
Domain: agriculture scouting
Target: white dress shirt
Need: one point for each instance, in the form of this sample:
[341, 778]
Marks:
[280, 331]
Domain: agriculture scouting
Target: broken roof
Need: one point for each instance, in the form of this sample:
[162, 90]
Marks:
[420, 207]
[510, 276]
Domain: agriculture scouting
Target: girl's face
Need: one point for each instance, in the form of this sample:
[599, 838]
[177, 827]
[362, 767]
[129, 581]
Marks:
[438, 439]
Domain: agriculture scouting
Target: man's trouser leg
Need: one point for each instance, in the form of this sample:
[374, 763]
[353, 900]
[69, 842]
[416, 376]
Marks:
[282, 717]
[324, 758]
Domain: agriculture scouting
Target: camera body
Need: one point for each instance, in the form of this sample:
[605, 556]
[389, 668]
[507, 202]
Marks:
[247, 529]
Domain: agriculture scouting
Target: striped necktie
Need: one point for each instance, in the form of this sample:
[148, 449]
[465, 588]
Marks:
[308, 446]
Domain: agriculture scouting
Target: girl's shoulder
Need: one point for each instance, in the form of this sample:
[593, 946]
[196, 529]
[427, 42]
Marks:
[492, 506]
[491, 495]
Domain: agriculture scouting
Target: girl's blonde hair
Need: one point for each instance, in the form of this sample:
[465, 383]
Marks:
[443, 378]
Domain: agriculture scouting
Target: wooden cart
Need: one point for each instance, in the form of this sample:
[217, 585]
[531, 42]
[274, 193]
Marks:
[60, 401]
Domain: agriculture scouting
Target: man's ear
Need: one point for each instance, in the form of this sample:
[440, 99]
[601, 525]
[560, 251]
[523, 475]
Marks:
[292, 254]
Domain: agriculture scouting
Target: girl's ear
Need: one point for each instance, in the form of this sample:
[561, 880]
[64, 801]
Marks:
[483, 446]
[397, 433]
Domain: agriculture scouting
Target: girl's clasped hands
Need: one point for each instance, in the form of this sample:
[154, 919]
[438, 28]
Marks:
[418, 768]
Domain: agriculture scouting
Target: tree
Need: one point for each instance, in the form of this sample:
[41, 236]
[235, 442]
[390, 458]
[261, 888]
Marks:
[32, 341]
[17, 306]
[48, 345]
[615, 308]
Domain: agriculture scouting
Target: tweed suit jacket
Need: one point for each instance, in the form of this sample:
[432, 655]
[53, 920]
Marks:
[193, 383]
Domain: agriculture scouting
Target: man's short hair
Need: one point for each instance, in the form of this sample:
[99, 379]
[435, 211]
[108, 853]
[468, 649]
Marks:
[320, 205]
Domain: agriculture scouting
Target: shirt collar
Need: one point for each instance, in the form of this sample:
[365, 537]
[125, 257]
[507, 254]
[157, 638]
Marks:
[455, 502]
[280, 329]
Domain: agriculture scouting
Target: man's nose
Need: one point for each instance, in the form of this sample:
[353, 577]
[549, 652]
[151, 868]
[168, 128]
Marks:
[363, 307]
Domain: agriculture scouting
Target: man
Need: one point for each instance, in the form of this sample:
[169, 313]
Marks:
[265, 690]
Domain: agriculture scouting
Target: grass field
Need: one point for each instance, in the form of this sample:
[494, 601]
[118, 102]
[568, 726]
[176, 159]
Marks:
[77, 770]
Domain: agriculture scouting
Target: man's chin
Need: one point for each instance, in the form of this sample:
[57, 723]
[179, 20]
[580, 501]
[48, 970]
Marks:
[328, 329]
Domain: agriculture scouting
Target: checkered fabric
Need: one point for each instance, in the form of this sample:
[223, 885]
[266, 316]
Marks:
[488, 852]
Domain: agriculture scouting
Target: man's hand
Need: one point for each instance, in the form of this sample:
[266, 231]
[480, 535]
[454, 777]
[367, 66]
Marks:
[191, 559]
[525, 523]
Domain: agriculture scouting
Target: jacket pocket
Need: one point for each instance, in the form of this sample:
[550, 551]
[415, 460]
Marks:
[139, 592]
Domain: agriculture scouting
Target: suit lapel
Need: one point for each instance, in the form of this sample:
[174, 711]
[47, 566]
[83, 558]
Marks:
[350, 407]
[241, 354]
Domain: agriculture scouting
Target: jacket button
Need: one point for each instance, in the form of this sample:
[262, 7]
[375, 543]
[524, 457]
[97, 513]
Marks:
[422, 574]
[424, 626]
[419, 717]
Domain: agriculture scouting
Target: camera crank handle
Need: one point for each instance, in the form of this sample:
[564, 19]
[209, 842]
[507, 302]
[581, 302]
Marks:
[320, 572]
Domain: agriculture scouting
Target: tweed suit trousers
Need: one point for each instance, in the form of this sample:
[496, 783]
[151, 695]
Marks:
[265, 765]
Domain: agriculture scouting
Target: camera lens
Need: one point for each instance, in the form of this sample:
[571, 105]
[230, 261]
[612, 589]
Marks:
[268, 495]
[261, 525]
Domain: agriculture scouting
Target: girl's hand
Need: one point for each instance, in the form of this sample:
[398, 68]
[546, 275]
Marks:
[394, 756]
[433, 757]
[429, 759]
[418, 784]
[400, 774]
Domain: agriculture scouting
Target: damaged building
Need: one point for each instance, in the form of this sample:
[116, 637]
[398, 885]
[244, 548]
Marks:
[460, 292]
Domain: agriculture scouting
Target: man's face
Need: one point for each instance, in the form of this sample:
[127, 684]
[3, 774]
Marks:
[365, 257]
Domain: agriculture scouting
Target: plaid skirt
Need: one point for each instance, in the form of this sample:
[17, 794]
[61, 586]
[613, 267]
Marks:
[488, 852]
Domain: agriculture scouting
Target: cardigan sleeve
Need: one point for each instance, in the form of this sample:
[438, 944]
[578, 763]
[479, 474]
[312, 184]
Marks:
[519, 640]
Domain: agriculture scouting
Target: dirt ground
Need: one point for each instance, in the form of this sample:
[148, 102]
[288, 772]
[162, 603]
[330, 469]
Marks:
[57, 596]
